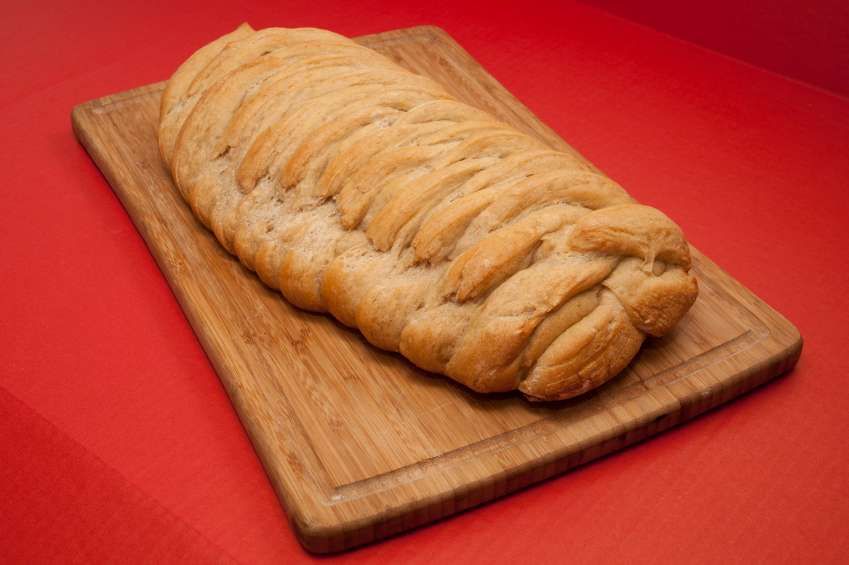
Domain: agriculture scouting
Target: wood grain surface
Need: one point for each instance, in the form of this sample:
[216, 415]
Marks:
[358, 442]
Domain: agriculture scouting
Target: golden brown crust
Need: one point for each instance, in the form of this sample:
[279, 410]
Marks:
[474, 250]
[185, 75]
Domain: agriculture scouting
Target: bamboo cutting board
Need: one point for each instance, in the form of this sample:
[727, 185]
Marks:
[358, 442]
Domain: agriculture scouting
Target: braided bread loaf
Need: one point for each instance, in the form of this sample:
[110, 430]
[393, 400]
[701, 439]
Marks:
[358, 188]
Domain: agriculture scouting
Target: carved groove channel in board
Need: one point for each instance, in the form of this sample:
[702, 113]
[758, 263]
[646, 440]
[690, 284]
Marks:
[627, 386]
[353, 437]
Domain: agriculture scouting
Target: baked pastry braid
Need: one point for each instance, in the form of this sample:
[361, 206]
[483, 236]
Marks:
[358, 188]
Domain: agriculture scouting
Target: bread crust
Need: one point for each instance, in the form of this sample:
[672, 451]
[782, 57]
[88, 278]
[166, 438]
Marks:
[357, 188]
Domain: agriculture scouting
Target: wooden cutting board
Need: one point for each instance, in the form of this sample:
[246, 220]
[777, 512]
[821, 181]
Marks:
[358, 442]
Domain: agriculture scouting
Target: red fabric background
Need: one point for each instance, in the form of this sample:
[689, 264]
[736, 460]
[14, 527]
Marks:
[806, 41]
[118, 443]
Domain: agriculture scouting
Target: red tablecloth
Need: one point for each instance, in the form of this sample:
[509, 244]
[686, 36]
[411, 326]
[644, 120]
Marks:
[118, 444]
